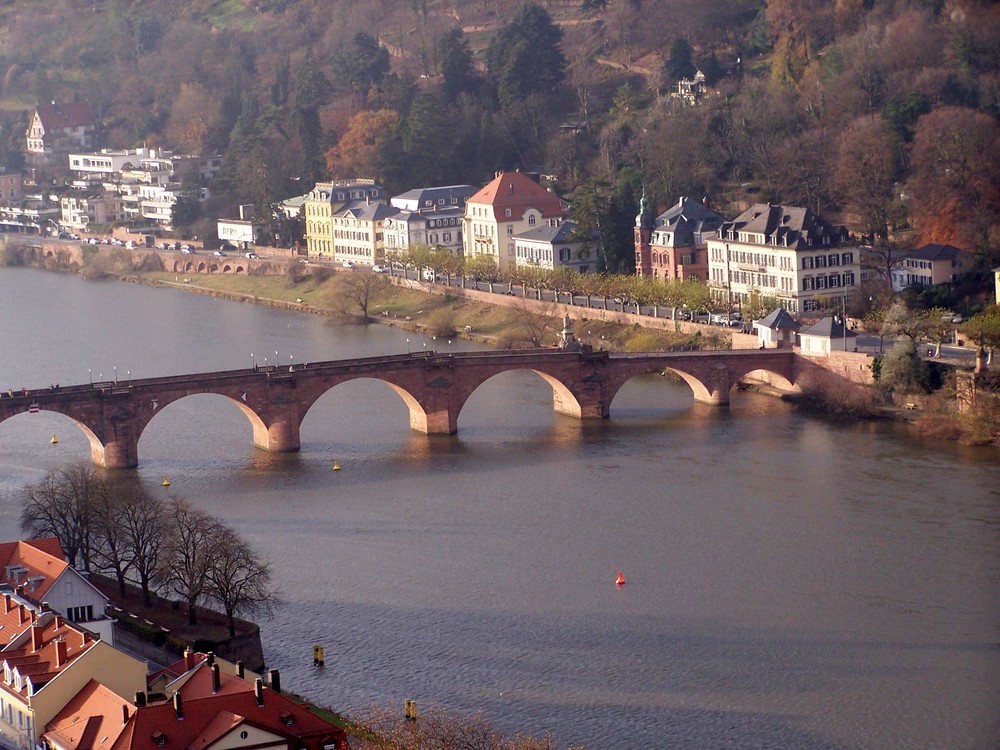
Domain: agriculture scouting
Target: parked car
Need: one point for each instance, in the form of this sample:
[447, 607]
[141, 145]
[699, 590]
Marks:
[252, 256]
[347, 264]
[219, 254]
[379, 269]
[187, 250]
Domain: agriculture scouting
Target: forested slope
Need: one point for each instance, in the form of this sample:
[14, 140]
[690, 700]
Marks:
[880, 113]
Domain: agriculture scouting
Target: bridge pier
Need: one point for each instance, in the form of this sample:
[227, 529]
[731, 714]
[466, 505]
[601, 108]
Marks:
[122, 453]
[438, 422]
[278, 437]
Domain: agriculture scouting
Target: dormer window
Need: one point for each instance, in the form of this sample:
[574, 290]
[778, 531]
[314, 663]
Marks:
[506, 213]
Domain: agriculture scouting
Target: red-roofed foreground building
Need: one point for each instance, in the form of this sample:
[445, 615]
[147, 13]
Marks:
[36, 572]
[46, 665]
[254, 716]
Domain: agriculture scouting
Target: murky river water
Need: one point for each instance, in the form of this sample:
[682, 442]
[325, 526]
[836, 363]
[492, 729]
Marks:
[792, 583]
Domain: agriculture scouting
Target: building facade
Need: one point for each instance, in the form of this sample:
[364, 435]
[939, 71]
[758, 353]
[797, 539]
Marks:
[327, 199]
[551, 247]
[931, 264]
[59, 128]
[511, 204]
[787, 252]
[674, 245]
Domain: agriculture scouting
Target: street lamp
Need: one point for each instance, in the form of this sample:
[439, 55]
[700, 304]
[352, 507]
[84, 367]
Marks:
[407, 346]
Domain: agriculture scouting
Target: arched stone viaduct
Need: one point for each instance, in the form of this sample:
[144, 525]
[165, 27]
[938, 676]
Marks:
[434, 387]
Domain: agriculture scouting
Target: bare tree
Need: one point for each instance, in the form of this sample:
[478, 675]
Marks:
[238, 579]
[61, 505]
[111, 550]
[191, 539]
[140, 517]
[531, 326]
[358, 287]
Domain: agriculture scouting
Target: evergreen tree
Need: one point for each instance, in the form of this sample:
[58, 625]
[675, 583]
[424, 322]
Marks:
[311, 92]
[428, 142]
[456, 64]
[524, 56]
[364, 64]
[680, 63]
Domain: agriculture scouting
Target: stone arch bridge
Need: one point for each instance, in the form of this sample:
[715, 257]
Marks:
[433, 385]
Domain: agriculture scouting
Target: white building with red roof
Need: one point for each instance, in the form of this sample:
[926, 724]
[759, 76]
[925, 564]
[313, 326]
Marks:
[511, 204]
[36, 572]
[60, 127]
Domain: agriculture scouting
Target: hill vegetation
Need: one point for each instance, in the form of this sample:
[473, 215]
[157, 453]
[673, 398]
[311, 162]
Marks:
[882, 114]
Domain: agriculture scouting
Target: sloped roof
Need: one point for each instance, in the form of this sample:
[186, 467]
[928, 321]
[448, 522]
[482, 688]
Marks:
[518, 192]
[829, 328]
[91, 720]
[935, 251]
[778, 320]
[66, 115]
[207, 720]
[53, 645]
[43, 559]
[548, 233]
[686, 219]
[368, 211]
[15, 618]
[788, 226]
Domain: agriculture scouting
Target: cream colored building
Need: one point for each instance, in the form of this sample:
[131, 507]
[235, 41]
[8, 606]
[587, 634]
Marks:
[48, 664]
[327, 199]
[511, 204]
[787, 252]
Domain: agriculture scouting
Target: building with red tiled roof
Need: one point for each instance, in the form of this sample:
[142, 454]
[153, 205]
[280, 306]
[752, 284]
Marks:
[46, 665]
[512, 203]
[192, 673]
[15, 618]
[36, 571]
[60, 128]
[257, 716]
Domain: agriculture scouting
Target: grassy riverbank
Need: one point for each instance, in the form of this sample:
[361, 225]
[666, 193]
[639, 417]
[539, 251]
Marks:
[327, 292]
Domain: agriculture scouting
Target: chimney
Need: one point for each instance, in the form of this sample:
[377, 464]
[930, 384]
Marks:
[275, 679]
[58, 621]
[239, 669]
[177, 706]
[36, 637]
[210, 658]
[140, 699]
[21, 614]
[258, 691]
[188, 658]
[215, 678]
[6, 604]
[124, 714]
[46, 607]
[61, 652]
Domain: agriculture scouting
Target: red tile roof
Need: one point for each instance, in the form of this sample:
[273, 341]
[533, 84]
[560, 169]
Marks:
[66, 115]
[208, 720]
[91, 720]
[15, 618]
[43, 560]
[518, 192]
[53, 645]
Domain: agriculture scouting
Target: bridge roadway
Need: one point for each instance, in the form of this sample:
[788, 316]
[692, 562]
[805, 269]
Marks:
[435, 386]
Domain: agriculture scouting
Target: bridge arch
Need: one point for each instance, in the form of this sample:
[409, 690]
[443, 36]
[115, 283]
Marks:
[564, 400]
[417, 414]
[97, 454]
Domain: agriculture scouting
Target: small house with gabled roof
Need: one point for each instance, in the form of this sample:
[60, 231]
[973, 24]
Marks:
[776, 330]
[934, 263]
[826, 335]
[60, 127]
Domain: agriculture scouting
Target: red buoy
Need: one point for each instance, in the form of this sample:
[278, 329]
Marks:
[621, 578]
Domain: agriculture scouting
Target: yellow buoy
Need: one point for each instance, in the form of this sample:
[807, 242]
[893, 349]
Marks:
[336, 466]
[166, 481]
[54, 440]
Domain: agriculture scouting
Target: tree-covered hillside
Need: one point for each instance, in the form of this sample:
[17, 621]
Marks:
[882, 114]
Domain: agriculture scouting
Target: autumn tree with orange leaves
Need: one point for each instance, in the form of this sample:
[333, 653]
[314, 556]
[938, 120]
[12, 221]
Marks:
[956, 180]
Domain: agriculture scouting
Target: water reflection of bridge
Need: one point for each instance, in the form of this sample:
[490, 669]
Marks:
[434, 387]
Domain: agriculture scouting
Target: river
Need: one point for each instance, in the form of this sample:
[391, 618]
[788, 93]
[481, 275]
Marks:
[792, 582]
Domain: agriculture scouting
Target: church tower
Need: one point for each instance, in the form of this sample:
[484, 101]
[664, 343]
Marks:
[643, 233]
